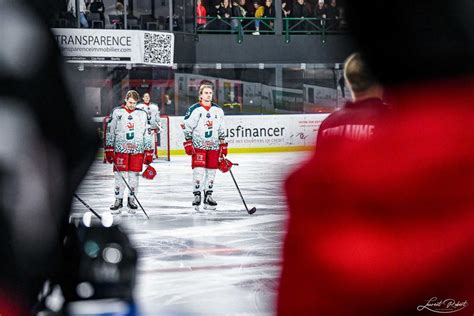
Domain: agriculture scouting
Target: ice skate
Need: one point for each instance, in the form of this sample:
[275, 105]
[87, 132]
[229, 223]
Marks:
[197, 200]
[116, 207]
[132, 207]
[209, 202]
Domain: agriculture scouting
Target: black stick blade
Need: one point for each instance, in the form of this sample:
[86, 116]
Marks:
[252, 210]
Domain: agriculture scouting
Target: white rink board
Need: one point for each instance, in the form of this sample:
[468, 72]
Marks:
[285, 132]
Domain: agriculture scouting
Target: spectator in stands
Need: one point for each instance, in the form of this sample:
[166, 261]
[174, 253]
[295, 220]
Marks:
[242, 7]
[116, 16]
[301, 9]
[168, 104]
[250, 8]
[286, 12]
[268, 12]
[333, 15]
[71, 8]
[119, 8]
[212, 9]
[237, 14]
[259, 9]
[200, 14]
[224, 14]
[320, 12]
[97, 6]
[342, 22]
[286, 8]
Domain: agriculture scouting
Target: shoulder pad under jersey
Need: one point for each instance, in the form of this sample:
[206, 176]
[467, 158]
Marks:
[191, 109]
[113, 110]
[142, 110]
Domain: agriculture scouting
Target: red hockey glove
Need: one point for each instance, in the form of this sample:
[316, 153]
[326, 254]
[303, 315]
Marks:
[225, 165]
[223, 150]
[149, 173]
[148, 159]
[109, 154]
[189, 147]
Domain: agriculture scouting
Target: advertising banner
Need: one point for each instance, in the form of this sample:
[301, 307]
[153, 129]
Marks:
[117, 47]
[261, 133]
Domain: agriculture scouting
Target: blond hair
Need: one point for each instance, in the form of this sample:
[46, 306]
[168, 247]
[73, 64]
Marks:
[204, 86]
[132, 94]
[358, 74]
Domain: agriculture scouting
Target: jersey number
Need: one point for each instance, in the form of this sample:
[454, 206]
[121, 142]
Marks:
[208, 134]
[130, 135]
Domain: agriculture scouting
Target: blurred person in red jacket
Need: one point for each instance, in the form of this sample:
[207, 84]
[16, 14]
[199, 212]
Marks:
[386, 226]
[358, 120]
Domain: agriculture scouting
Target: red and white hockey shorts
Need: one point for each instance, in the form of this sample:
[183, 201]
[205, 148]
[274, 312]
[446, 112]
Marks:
[205, 159]
[129, 162]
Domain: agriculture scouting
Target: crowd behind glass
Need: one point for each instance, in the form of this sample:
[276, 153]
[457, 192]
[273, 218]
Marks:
[209, 16]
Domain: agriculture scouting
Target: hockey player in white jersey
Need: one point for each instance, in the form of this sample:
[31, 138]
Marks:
[204, 134]
[128, 145]
[153, 111]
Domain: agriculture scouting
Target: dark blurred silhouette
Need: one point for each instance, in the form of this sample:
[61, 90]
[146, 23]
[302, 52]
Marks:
[47, 147]
[386, 227]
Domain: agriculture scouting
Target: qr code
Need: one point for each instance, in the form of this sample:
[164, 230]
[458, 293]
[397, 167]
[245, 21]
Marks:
[158, 48]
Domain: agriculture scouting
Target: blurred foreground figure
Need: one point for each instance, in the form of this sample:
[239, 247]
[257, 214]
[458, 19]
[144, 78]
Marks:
[386, 227]
[357, 121]
[46, 149]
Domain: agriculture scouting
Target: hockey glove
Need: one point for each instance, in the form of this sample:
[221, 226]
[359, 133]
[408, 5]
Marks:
[149, 173]
[225, 165]
[189, 147]
[109, 154]
[148, 159]
[223, 150]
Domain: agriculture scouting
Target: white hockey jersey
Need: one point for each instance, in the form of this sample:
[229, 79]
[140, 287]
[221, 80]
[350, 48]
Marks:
[153, 112]
[204, 127]
[128, 131]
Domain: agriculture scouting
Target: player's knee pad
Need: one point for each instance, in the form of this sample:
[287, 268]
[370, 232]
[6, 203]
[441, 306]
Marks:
[198, 177]
[133, 178]
[210, 176]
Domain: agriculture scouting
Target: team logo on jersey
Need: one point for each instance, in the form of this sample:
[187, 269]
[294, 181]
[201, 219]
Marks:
[208, 133]
[208, 115]
[131, 130]
[130, 117]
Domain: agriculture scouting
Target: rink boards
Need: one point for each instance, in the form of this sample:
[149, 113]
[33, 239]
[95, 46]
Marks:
[260, 133]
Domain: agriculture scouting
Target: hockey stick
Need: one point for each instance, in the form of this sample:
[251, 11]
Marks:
[253, 209]
[130, 189]
[88, 207]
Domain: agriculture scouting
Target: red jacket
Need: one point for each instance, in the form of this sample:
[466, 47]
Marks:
[201, 11]
[383, 227]
[356, 121]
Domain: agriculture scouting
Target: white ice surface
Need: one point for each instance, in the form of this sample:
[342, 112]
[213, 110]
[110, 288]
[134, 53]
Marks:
[222, 262]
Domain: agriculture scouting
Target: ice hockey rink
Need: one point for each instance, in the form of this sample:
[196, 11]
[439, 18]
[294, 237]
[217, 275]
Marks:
[222, 262]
